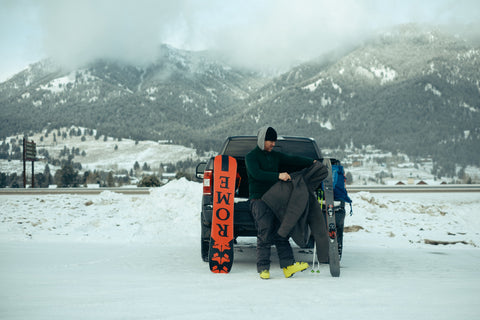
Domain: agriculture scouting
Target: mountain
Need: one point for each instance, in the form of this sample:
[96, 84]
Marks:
[173, 98]
[410, 90]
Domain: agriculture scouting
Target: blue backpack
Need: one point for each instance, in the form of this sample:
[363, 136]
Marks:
[339, 191]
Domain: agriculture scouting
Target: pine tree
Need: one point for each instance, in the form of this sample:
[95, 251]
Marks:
[136, 166]
[67, 176]
[110, 180]
[48, 176]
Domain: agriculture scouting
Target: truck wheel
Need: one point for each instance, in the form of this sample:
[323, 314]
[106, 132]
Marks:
[204, 242]
[205, 245]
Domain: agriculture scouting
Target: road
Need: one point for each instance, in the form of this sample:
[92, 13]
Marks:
[351, 189]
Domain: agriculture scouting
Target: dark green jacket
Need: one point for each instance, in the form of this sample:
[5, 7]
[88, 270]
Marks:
[263, 169]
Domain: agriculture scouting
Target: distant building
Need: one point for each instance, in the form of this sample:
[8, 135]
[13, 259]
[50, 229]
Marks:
[356, 164]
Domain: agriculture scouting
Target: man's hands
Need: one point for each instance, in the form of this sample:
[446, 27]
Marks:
[284, 176]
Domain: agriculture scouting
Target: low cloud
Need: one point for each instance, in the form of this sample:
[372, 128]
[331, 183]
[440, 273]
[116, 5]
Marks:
[270, 34]
[76, 32]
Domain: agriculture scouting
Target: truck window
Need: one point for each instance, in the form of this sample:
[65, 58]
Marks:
[302, 147]
[299, 148]
[239, 148]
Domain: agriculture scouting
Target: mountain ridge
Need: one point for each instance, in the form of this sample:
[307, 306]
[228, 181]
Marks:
[408, 90]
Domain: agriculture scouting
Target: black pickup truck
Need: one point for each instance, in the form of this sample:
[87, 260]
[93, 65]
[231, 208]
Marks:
[238, 147]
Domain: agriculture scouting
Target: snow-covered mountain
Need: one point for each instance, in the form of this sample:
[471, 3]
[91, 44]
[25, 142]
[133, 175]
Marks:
[409, 90]
[169, 99]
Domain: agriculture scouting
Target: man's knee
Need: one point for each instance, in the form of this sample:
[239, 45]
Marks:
[264, 220]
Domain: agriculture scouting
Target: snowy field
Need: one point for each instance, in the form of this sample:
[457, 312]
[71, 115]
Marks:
[102, 154]
[112, 256]
[107, 153]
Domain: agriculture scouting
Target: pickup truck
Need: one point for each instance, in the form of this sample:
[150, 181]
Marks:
[238, 147]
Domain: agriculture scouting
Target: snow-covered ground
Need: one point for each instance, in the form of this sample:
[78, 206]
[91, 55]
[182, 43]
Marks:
[102, 153]
[113, 256]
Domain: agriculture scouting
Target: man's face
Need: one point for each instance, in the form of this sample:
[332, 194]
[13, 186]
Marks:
[269, 145]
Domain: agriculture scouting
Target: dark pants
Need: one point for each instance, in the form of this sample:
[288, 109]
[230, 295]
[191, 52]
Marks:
[267, 226]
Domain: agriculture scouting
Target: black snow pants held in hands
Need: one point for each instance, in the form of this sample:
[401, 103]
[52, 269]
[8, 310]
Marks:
[267, 226]
[295, 204]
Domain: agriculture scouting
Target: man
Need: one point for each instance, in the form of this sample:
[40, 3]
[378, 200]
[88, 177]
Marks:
[263, 165]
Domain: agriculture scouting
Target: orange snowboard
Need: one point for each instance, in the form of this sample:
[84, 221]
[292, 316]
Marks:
[220, 255]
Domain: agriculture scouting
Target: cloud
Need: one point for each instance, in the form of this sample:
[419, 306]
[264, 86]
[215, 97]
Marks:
[261, 34]
[285, 32]
[76, 32]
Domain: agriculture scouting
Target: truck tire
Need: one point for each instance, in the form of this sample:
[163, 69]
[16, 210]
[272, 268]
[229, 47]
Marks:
[204, 242]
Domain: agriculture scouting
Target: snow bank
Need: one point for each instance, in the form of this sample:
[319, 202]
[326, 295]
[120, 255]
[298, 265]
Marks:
[412, 218]
[171, 214]
[168, 214]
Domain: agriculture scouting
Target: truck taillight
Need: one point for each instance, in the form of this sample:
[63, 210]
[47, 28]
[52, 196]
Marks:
[207, 182]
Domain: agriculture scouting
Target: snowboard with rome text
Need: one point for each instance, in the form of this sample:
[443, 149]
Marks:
[220, 254]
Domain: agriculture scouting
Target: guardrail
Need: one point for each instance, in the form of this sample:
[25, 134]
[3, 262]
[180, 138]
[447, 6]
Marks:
[415, 188]
[350, 189]
[30, 191]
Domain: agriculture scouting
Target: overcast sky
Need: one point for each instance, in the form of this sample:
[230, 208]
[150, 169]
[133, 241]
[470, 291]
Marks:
[269, 34]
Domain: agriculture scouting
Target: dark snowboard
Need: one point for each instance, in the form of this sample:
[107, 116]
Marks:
[333, 256]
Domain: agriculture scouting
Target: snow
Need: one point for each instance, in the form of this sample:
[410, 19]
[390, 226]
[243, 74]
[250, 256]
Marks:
[430, 87]
[470, 54]
[103, 153]
[185, 99]
[327, 125]
[37, 103]
[324, 124]
[384, 73]
[313, 86]
[325, 101]
[114, 256]
[336, 87]
[59, 84]
[151, 90]
[467, 106]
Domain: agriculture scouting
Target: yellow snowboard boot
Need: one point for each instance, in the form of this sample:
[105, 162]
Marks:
[265, 274]
[297, 266]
